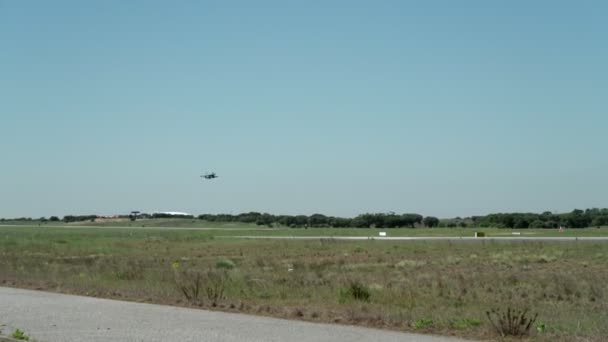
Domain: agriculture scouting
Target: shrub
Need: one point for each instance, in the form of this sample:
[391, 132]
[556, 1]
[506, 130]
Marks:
[225, 263]
[512, 322]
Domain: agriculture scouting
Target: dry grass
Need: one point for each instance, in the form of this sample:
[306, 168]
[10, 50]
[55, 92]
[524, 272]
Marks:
[436, 287]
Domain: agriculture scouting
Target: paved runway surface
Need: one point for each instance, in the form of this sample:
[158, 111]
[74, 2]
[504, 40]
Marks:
[425, 238]
[523, 237]
[51, 317]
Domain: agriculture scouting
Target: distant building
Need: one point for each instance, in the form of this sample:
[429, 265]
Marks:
[172, 213]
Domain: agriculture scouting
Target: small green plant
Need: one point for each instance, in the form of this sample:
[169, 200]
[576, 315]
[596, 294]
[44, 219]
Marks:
[423, 323]
[225, 263]
[541, 327]
[512, 322]
[356, 291]
[20, 335]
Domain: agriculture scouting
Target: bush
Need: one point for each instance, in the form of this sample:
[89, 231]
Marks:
[225, 264]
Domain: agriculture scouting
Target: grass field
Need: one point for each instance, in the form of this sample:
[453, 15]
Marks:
[437, 287]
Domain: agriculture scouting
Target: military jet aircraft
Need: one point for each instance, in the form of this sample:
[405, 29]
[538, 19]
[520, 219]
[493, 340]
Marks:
[211, 175]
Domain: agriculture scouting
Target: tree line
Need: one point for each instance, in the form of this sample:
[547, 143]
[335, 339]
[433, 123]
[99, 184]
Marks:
[575, 219]
[378, 220]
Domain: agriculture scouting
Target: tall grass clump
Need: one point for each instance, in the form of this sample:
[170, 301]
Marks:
[190, 285]
[215, 285]
[511, 322]
[355, 290]
[194, 284]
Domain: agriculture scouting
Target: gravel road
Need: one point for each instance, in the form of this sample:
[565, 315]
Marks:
[52, 317]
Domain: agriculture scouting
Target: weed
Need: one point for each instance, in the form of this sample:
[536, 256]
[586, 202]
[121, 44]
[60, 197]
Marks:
[423, 323]
[20, 335]
[541, 327]
[512, 322]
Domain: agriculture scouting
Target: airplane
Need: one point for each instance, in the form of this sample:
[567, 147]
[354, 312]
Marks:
[211, 175]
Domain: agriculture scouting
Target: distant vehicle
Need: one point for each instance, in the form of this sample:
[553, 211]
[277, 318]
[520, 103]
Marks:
[211, 175]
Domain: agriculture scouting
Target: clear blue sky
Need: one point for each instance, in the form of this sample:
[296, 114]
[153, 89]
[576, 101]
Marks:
[446, 108]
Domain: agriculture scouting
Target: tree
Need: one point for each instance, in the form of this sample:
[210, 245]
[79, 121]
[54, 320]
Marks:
[537, 224]
[600, 221]
[301, 220]
[339, 222]
[318, 220]
[430, 221]
[521, 223]
[249, 217]
[576, 219]
[411, 219]
[364, 221]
